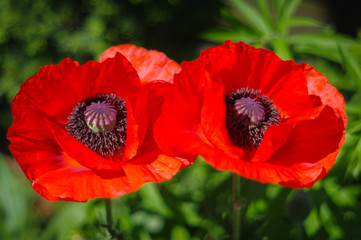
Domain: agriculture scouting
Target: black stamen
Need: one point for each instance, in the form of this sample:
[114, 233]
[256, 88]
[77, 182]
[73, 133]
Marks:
[248, 114]
[100, 123]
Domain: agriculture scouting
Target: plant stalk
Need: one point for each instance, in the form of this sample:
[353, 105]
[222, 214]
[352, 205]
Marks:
[108, 207]
[109, 226]
[236, 197]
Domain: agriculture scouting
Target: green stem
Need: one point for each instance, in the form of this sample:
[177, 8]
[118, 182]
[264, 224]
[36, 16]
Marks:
[109, 226]
[108, 207]
[299, 231]
[236, 192]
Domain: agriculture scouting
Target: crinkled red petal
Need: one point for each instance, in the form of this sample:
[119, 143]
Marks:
[133, 131]
[80, 184]
[150, 165]
[319, 86]
[181, 111]
[311, 140]
[82, 154]
[213, 120]
[238, 65]
[150, 64]
[56, 89]
[161, 168]
[277, 135]
[77, 183]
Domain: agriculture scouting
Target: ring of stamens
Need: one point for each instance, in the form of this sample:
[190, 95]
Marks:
[100, 123]
[248, 114]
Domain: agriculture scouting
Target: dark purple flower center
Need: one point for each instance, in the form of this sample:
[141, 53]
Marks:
[100, 123]
[248, 114]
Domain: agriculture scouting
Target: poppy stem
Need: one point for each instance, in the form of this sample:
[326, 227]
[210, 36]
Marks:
[236, 192]
[109, 226]
[108, 207]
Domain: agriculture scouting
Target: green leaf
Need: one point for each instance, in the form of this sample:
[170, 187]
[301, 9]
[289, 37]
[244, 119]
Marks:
[329, 222]
[324, 38]
[179, 233]
[329, 54]
[289, 9]
[342, 196]
[278, 5]
[257, 209]
[358, 152]
[353, 108]
[356, 159]
[349, 157]
[69, 218]
[351, 65]
[233, 21]
[144, 235]
[355, 126]
[323, 44]
[190, 213]
[153, 200]
[281, 49]
[234, 35]
[253, 17]
[302, 22]
[312, 223]
[265, 10]
[14, 199]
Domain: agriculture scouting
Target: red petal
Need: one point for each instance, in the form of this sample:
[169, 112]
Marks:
[213, 120]
[156, 92]
[318, 85]
[282, 81]
[118, 76]
[181, 111]
[31, 139]
[150, 64]
[79, 184]
[276, 136]
[150, 165]
[302, 173]
[133, 128]
[161, 168]
[56, 89]
[81, 153]
[311, 140]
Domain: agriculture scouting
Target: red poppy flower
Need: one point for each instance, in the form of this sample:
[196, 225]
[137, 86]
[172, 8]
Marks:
[86, 131]
[244, 109]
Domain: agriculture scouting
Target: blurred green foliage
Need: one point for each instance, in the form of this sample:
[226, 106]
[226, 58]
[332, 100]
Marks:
[197, 203]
